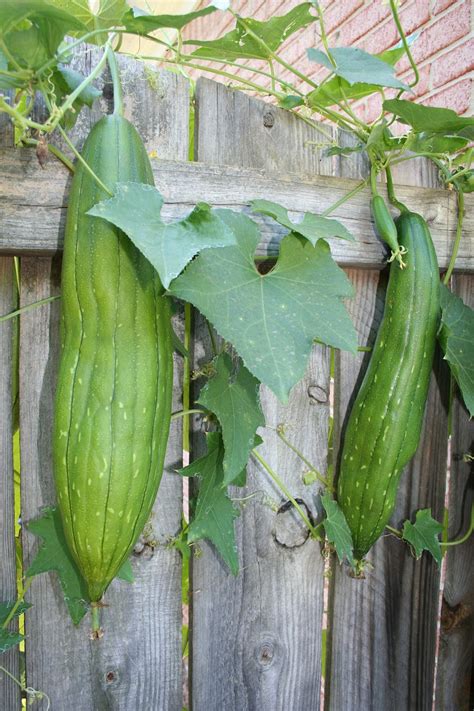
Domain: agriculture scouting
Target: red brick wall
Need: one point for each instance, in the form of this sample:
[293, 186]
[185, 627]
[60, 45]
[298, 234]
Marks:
[444, 49]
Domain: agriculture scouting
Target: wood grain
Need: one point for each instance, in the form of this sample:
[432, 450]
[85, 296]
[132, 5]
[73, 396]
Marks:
[257, 637]
[33, 202]
[9, 691]
[137, 664]
[382, 641]
[455, 667]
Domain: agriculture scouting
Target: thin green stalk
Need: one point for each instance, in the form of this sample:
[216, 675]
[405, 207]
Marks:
[457, 240]
[17, 604]
[13, 678]
[346, 197]
[83, 162]
[299, 454]
[464, 538]
[187, 376]
[19, 118]
[393, 8]
[395, 531]
[272, 54]
[50, 125]
[220, 72]
[285, 491]
[185, 413]
[117, 84]
[212, 338]
[324, 38]
[52, 149]
[373, 180]
[95, 614]
[316, 127]
[391, 192]
[29, 307]
[9, 56]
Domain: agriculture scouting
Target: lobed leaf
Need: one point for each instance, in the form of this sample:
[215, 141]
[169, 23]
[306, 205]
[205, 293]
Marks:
[272, 320]
[233, 395]
[356, 66]
[423, 534]
[136, 209]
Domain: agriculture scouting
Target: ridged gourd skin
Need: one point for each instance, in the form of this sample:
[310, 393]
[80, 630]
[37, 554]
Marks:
[384, 426]
[113, 398]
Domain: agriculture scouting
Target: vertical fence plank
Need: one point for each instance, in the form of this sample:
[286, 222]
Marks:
[137, 664]
[256, 638]
[455, 666]
[9, 691]
[383, 629]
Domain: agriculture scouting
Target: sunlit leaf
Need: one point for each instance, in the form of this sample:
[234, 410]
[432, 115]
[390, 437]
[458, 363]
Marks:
[136, 209]
[240, 44]
[430, 118]
[138, 21]
[272, 319]
[312, 226]
[356, 66]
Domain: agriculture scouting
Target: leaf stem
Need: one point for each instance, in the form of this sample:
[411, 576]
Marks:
[285, 491]
[464, 538]
[346, 197]
[83, 162]
[406, 47]
[457, 240]
[395, 531]
[17, 603]
[184, 413]
[319, 476]
[24, 309]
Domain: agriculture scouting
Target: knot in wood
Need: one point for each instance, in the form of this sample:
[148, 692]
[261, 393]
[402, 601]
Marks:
[266, 654]
[268, 119]
[317, 393]
[111, 676]
[289, 531]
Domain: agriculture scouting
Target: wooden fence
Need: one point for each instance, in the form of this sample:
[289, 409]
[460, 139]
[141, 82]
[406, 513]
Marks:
[257, 640]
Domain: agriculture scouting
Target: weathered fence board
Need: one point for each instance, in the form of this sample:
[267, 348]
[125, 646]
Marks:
[137, 664]
[31, 193]
[9, 691]
[455, 666]
[383, 629]
[257, 637]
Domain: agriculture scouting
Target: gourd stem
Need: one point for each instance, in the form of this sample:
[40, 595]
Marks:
[373, 180]
[95, 613]
[466, 535]
[391, 192]
[185, 413]
[457, 240]
[117, 84]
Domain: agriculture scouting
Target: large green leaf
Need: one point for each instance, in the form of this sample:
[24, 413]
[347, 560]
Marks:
[233, 395]
[33, 43]
[337, 530]
[430, 118]
[214, 513]
[66, 81]
[423, 535]
[272, 319]
[142, 23]
[136, 209]
[337, 89]
[54, 554]
[239, 44]
[456, 336]
[312, 226]
[110, 13]
[356, 66]
[427, 142]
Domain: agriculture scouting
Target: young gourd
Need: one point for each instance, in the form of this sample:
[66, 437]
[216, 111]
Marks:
[384, 426]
